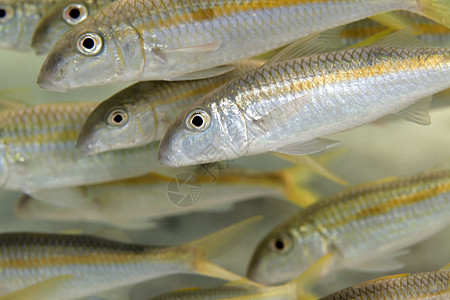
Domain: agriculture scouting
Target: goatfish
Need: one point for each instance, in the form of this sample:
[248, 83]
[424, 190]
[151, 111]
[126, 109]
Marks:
[131, 40]
[288, 106]
[62, 16]
[365, 227]
[426, 30]
[297, 289]
[153, 196]
[18, 19]
[94, 265]
[38, 150]
[427, 285]
[141, 113]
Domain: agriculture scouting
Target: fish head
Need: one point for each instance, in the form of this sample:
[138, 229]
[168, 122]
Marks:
[93, 53]
[284, 254]
[117, 123]
[17, 22]
[57, 20]
[206, 132]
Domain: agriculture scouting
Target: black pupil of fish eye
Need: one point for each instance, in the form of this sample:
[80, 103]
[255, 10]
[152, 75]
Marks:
[197, 121]
[2, 13]
[279, 244]
[74, 13]
[117, 118]
[88, 43]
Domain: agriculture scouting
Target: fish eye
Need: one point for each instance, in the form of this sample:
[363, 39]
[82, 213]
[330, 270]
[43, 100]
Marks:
[198, 120]
[89, 43]
[280, 243]
[6, 14]
[117, 117]
[74, 13]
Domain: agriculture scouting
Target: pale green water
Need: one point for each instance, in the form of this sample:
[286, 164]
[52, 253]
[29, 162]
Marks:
[388, 148]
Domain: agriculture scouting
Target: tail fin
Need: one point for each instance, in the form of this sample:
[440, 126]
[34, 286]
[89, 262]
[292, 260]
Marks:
[294, 192]
[436, 10]
[215, 245]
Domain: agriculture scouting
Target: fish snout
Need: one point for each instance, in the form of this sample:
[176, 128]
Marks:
[51, 76]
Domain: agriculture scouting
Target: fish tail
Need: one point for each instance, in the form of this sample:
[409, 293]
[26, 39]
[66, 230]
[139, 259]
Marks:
[436, 10]
[214, 245]
[293, 191]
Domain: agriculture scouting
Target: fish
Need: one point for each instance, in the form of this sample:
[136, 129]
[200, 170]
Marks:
[427, 285]
[62, 16]
[131, 40]
[96, 265]
[152, 197]
[365, 227]
[297, 289]
[289, 106]
[18, 19]
[141, 113]
[38, 150]
[426, 30]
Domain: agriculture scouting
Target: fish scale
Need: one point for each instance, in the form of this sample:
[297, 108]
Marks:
[294, 102]
[90, 259]
[427, 285]
[361, 224]
[39, 150]
[154, 40]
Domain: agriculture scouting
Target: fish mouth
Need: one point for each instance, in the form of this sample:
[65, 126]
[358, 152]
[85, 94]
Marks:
[50, 74]
[41, 48]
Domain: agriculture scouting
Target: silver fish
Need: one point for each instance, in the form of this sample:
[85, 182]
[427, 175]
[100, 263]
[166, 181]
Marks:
[141, 113]
[38, 150]
[132, 40]
[93, 265]
[18, 19]
[62, 16]
[427, 285]
[290, 105]
[363, 227]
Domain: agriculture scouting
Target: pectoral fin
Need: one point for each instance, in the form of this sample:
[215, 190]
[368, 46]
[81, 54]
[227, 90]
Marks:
[309, 147]
[418, 112]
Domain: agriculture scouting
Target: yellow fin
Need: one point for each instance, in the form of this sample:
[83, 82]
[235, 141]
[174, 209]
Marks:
[15, 97]
[218, 243]
[6, 104]
[314, 165]
[394, 20]
[436, 10]
[293, 191]
[445, 268]
[40, 290]
[306, 281]
[373, 39]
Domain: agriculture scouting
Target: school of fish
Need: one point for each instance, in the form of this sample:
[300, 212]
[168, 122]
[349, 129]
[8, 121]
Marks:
[228, 101]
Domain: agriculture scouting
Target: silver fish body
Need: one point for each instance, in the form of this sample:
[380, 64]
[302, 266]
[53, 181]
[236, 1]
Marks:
[18, 19]
[92, 265]
[62, 16]
[38, 150]
[286, 106]
[358, 225]
[145, 110]
[131, 40]
[427, 285]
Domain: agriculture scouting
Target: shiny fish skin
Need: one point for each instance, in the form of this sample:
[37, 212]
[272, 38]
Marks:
[165, 39]
[98, 265]
[360, 225]
[148, 199]
[38, 150]
[297, 101]
[22, 16]
[428, 31]
[53, 24]
[428, 285]
[149, 108]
